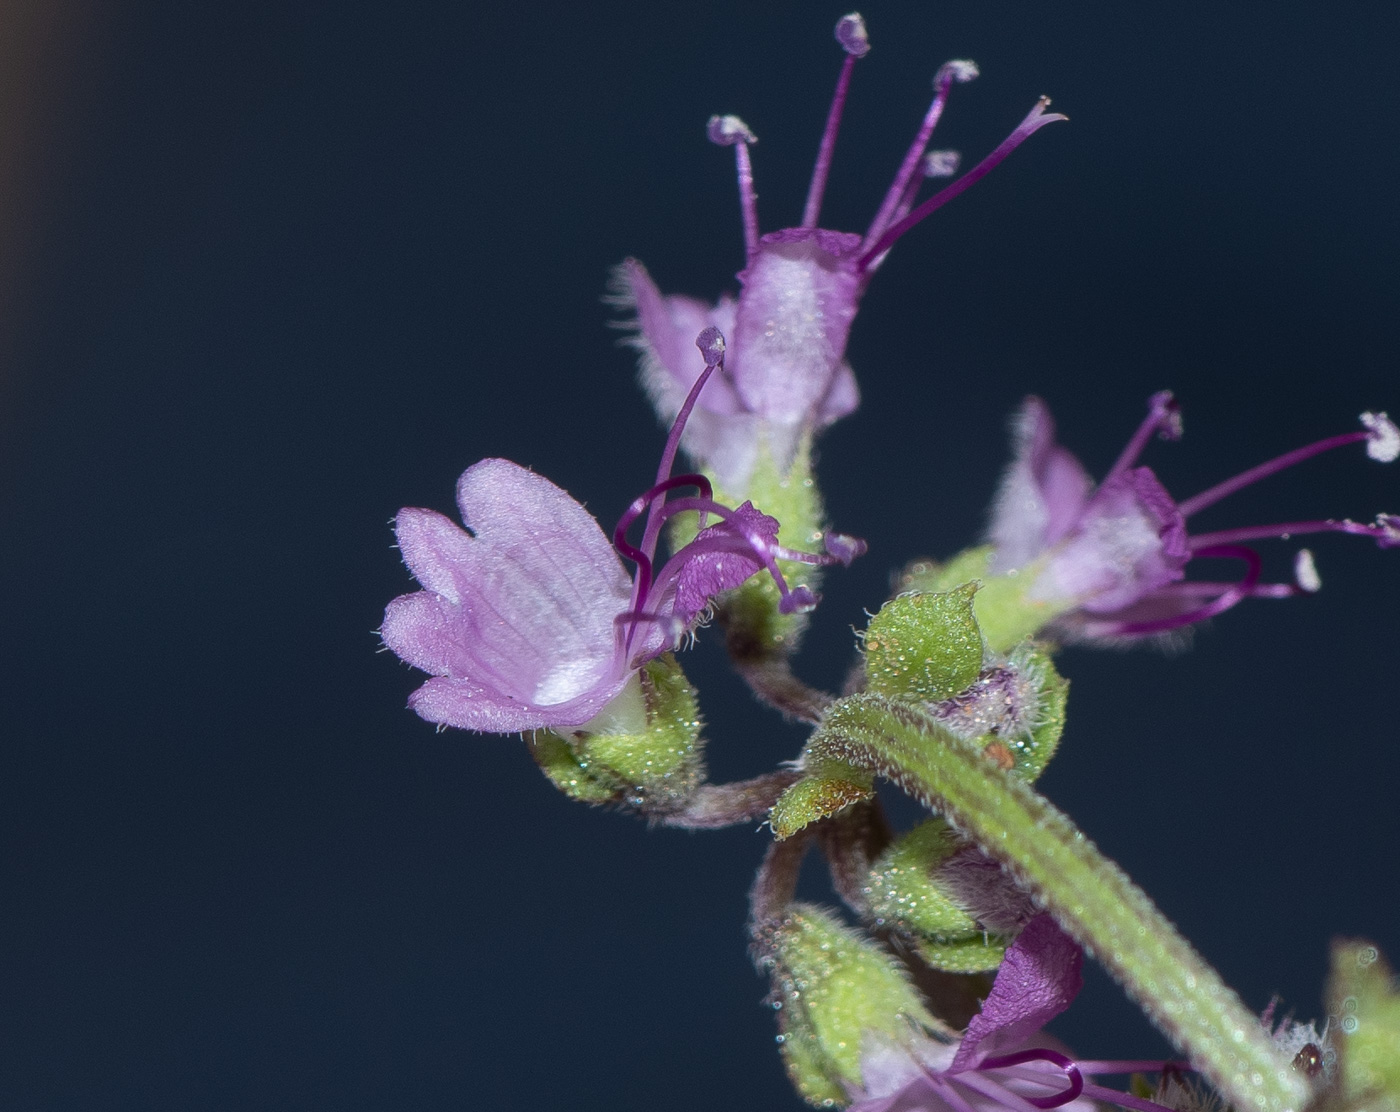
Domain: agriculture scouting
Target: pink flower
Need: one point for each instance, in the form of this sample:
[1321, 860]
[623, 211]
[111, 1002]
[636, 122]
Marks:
[1111, 561]
[787, 376]
[528, 619]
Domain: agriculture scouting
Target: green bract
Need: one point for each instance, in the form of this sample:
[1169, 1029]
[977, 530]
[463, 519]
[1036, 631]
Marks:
[644, 747]
[1006, 615]
[924, 647]
[834, 989]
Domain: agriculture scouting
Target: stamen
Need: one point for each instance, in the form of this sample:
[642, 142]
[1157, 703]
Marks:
[1305, 572]
[1055, 1058]
[935, 164]
[792, 599]
[730, 131]
[711, 343]
[844, 547]
[958, 70]
[1034, 121]
[1163, 418]
[1384, 532]
[850, 33]
[1379, 429]
[1222, 602]
[1384, 442]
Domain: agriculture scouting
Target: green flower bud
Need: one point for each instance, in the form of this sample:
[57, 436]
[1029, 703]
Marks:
[833, 989]
[924, 647]
[643, 750]
[904, 895]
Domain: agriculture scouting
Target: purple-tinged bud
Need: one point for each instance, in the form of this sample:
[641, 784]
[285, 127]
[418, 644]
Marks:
[1305, 572]
[725, 131]
[941, 164]
[1383, 444]
[850, 33]
[961, 70]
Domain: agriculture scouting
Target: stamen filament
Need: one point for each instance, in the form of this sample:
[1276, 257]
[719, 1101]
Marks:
[710, 341]
[943, 82]
[812, 209]
[1287, 529]
[1122, 1099]
[748, 199]
[1034, 121]
[1264, 470]
[1222, 602]
[1055, 1058]
[1163, 415]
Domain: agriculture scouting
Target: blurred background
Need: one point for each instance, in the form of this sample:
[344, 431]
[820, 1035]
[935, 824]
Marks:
[270, 271]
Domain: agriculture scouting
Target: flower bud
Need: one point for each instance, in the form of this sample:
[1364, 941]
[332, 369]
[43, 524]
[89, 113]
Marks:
[905, 895]
[834, 991]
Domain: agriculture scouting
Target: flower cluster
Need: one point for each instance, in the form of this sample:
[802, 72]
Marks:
[529, 621]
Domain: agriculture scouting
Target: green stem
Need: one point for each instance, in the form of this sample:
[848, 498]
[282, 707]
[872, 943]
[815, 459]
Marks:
[1090, 896]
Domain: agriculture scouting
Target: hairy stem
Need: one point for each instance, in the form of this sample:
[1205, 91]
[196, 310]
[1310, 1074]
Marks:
[1090, 896]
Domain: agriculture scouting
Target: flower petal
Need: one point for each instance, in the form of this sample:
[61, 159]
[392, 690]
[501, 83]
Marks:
[1038, 979]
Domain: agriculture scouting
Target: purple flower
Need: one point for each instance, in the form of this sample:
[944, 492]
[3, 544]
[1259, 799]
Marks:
[528, 619]
[1110, 561]
[787, 375]
[1004, 1060]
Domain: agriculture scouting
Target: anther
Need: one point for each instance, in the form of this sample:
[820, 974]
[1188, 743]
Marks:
[941, 164]
[1305, 572]
[725, 131]
[850, 33]
[1383, 443]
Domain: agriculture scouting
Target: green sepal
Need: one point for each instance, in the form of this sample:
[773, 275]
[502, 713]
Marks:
[818, 797]
[978, 952]
[834, 989]
[642, 750]
[924, 647]
[1007, 616]
[903, 895]
[1032, 751]
[902, 892]
[1363, 1001]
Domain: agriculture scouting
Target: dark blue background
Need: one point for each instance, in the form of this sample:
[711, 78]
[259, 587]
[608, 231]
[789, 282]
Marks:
[288, 266]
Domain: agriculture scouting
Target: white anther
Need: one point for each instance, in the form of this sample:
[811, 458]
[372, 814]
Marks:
[1384, 442]
[961, 70]
[728, 130]
[850, 33]
[941, 164]
[1305, 572]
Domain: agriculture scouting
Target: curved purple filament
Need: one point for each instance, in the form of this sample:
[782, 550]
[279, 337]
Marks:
[1218, 605]
[1043, 1054]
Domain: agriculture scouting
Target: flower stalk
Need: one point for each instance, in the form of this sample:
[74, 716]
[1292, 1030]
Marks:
[1088, 895]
